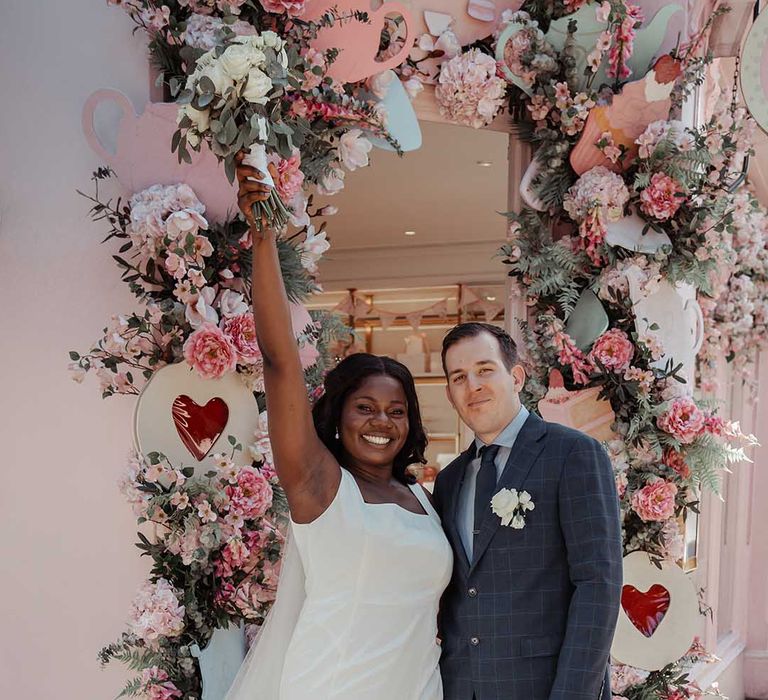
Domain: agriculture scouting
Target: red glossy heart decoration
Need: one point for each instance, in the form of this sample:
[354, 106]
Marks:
[199, 426]
[645, 610]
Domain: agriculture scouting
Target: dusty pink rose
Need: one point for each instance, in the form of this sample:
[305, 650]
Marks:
[290, 7]
[210, 352]
[252, 495]
[662, 198]
[676, 462]
[289, 176]
[656, 501]
[683, 420]
[613, 349]
[242, 333]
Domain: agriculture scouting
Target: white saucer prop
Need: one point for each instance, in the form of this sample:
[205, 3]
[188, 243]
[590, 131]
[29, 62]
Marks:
[659, 615]
[189, 418]
[627, 233]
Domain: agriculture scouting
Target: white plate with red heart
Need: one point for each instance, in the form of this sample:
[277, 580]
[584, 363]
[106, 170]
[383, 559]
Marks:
[659, 615]
[189, 418]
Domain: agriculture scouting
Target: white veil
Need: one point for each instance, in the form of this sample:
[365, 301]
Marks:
[262, 669]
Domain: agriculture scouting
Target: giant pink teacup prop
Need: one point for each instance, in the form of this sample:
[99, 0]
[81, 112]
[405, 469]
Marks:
[143, 156]
[357, 42]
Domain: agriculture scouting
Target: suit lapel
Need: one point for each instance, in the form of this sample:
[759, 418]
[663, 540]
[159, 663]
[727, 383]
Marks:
[452, 503]
[524, 452]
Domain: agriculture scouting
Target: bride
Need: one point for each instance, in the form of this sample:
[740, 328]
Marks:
[356, 610]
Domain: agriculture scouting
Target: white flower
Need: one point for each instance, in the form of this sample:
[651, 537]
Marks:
[525, 501]
[413, 86]
[504, 504]
[313, 248]
[518, 522]
[180, 223]
[238, 59]
[257, 87]
[331, 183]
[200, 118]
[202, 310]
[232, 304]
[221, 80]
[354, 149]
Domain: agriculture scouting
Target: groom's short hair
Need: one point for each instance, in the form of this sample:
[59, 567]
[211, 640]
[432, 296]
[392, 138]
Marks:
[507, 346]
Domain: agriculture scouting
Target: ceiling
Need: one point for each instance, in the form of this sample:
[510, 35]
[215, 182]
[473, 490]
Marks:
[439, 191]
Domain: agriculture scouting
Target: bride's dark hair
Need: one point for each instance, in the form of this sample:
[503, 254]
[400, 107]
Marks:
[347, 377]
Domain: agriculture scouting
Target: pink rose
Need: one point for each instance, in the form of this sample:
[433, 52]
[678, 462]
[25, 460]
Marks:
[210, 352]
[662, 198]
[613, 349]
[289, 177]
[656, 501]
[290, 7]
[252, 495]
[241, 331]
[683, 420]
[676, 462]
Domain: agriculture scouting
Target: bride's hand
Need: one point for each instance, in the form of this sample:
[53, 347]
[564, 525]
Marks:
[250, 190]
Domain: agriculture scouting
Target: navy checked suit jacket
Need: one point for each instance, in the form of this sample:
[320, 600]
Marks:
[532, 616]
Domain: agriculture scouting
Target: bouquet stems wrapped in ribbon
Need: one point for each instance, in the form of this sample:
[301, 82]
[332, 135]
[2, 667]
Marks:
[235, 100]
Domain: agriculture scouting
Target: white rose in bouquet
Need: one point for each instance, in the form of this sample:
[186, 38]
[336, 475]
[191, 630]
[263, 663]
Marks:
[218, 76]
[200, 118]
[257, 87]
[238, 59]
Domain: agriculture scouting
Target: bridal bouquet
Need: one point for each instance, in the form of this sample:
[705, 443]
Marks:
[235, 100]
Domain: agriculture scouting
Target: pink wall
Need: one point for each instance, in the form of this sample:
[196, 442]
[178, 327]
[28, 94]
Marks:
[69, 569]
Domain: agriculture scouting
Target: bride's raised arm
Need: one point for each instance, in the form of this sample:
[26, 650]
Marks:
[307, 470]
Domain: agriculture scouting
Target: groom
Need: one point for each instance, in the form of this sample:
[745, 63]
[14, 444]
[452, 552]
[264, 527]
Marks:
[534, 598]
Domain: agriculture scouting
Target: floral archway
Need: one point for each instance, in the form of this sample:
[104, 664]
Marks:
[625, 205]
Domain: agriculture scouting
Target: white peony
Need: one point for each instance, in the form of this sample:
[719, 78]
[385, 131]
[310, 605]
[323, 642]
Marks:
[354, 149]
[257, 86]
[232, 304]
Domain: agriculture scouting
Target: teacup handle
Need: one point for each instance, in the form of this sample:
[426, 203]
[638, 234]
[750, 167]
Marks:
[89, 110]
[395, 8]
[699, 337]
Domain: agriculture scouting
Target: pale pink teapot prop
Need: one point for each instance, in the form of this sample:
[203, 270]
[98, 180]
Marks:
[143, 155]
[357, 42]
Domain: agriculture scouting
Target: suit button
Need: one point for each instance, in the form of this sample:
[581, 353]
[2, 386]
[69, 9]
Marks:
[474, 641]
[472, 592]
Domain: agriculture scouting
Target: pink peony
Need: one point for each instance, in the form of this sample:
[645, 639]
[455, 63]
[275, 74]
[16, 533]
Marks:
[252, 495]
[241, 331]
[290, 7]
[662, 198]
[656, 501]
[613, 349]
[210, 352]
[289, 176]
[683, 420]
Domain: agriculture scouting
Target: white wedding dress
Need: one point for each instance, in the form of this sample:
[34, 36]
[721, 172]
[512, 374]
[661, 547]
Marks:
[366, 626]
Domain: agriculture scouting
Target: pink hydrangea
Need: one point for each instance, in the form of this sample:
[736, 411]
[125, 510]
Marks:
[623, 677]
[155, 612]
[683, 420]
[656, 501]
[293, 8]
[157, 686]
[241, 331]
[289, 176]
[598, 188]
[662, 198]
[613, 350]
[469, 90]
[252, 495]
[210, 352]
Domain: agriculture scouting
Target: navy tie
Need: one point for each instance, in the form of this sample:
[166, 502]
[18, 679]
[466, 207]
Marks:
[485, 483]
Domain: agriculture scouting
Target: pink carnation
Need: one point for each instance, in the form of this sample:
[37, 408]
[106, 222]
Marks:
[241, 331]
[613, 349]
[683, 420]
[210, 352]
[662, 198]
[289, 177]
[252, 495]
[290, 7]
[656, 501]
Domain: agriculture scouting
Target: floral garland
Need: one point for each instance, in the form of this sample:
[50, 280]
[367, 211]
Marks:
[218, 536]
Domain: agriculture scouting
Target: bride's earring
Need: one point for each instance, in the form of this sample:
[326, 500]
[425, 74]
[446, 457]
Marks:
[337, 434]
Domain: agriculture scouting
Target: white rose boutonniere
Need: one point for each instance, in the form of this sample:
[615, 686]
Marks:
[511, 506]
